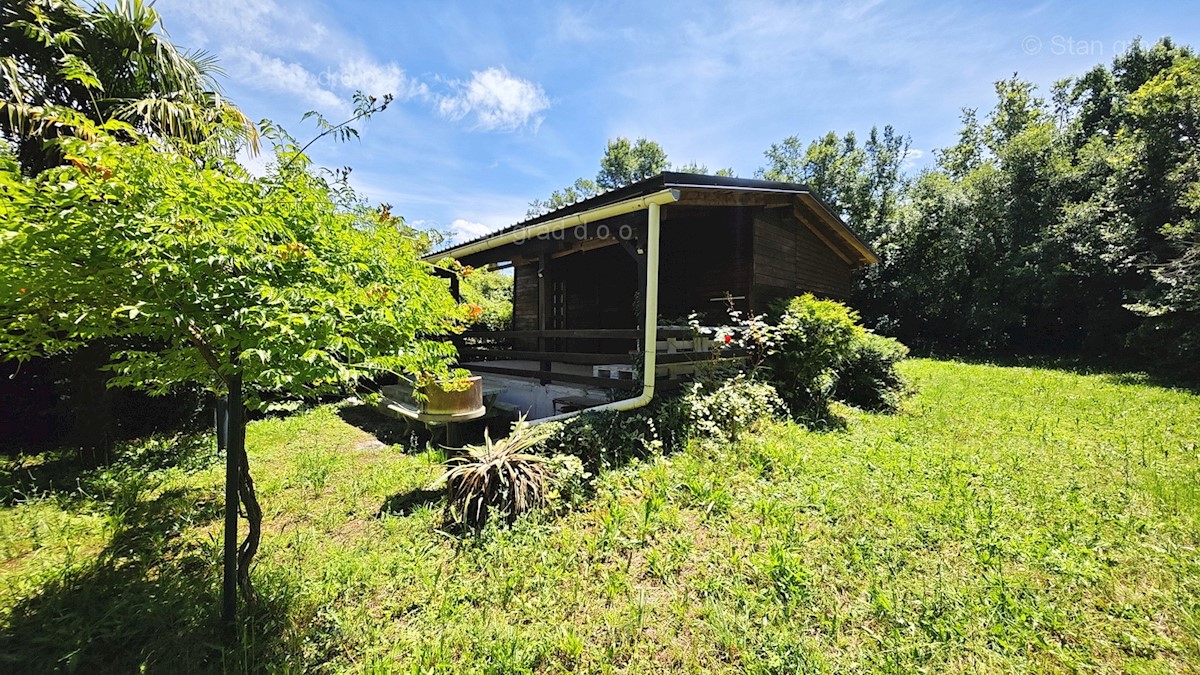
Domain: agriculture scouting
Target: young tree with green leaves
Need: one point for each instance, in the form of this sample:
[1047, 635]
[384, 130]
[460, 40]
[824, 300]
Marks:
[247, 287]
[61, 64]
[626, 162]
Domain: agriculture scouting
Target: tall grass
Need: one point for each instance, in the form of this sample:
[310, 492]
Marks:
[1007, 519]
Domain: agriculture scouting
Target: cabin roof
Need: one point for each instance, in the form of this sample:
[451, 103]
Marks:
[698, 189]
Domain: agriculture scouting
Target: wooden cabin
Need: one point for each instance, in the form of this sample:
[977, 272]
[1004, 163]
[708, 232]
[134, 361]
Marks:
[587, 276]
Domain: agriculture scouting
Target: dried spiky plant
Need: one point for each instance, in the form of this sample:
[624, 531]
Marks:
[497, 478]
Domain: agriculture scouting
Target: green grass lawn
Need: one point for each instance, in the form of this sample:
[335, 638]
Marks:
[1008, 519]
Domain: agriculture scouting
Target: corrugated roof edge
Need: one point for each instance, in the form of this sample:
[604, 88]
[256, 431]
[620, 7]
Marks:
[662, 181]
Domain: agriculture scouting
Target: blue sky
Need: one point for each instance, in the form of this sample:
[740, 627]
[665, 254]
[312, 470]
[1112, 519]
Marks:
[501, 103]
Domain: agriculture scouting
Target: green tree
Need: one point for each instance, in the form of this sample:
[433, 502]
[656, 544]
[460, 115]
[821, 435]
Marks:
[702, 169]
[966, 256]
[247, 287]
[1159, 154]
[624, 162]
[578, 191]
[104, 63]
[1044, 225]
[861, 182]
[489, 295]
[63, 64]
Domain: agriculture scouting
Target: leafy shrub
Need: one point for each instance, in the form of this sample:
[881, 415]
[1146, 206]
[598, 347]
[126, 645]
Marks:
[823, 353]
[489, 296]
[723, 410]
[609, 438]
[868, 378]
[816, 338]
[569, 481]
[498, 477]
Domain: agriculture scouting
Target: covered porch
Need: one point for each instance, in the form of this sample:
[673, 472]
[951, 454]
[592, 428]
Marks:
[608, 292]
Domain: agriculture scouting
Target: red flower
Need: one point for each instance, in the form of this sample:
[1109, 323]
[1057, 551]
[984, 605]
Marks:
[22, 291]
[728, 339]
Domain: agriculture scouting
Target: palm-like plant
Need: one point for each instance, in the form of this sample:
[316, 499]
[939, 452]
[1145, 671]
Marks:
[499, 477]
[113, 62]
[150, 83]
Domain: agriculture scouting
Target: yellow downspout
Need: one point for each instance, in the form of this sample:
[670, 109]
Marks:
[649, 323]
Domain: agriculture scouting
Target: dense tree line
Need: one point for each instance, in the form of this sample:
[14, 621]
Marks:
[1066, 225]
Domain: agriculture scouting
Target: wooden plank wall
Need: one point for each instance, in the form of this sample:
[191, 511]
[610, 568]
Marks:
[525, 296]
[706, 253]
[525, 302]
[789, 260]
[762, 253]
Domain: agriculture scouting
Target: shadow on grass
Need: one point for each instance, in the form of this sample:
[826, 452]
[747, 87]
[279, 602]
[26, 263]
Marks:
[386, 429]
[148, 601]
[1116, 372]
[405, 503]
[60, 475]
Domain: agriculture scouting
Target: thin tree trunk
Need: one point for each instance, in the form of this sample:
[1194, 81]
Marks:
[239, 491]
[253, 512]
[245, 487]
[229, 558]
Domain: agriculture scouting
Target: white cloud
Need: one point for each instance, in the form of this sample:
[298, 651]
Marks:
[362, 74]
[497, 100]
[285, 50]
[261, 23]
[912, 156]
[464, 230]
[273, 74]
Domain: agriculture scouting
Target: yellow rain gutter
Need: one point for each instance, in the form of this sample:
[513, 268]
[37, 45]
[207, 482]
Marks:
[557, 224]
[650, 320]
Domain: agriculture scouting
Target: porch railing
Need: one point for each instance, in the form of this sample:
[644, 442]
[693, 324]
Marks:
[675, 347]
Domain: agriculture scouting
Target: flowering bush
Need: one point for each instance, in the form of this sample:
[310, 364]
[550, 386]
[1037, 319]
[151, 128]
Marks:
[747, 335]
[569, 481]
[609, 438]
[723, 410]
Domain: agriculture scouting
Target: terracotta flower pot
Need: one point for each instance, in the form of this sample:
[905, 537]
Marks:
[438, 401]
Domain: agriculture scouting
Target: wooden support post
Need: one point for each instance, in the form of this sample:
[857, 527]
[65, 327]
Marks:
[636, 248]
[453, 435]
[544, 300]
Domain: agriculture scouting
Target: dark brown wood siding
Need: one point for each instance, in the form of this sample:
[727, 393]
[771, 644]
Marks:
[760, 253]
[705, 253]
[789, 260]
[525, 297]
